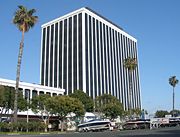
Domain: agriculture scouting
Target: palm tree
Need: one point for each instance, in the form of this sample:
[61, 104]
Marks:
[173, 81]
[24, 20]
[130, 64]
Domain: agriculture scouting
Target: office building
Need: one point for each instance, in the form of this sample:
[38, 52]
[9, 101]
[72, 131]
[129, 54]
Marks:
[30, 90]
[83, 50]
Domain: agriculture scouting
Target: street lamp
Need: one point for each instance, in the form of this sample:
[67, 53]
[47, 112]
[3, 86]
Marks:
[28, 92]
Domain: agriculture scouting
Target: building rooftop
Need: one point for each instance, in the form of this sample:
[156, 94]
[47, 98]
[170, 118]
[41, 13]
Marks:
[87, 9]
[12, 83]
[81, 9]
[103, 17]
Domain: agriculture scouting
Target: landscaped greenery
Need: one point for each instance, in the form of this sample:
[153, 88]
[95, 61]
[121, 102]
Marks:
[21, 126]
[39, 105]
[109, 106]
[61, 106]
[58, 107]
[85, 99]
[7, 100]
[161, 113]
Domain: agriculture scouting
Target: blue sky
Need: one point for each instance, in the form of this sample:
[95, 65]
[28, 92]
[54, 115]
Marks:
[154, 23]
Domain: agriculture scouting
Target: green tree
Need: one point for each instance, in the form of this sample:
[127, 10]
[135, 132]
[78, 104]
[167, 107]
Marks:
[161, 113]
[112, 110]
[130, 64]
[136, 112]
[175, 112]
[106, 103]
[61, 106]
[103, 100]
[173, 81]
[22, 102]
[39, 104]
[85, 99]
[7, 100]
[24, 20]
[126, 113]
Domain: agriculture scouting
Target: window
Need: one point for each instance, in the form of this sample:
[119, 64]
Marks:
[47, 57]
[105, 55]
[75, 51]
[60, 53]
[41, 92]
[111, 65]
[87, 53]
[98, 57]
[51, 55]
[65, 57]
[102, 58]
[108, 58]
[80, 51]
[55, 55]
[94, 52]
[70, 56]
[27, 94]
[43, 56]
[91, 61]
[34, 93]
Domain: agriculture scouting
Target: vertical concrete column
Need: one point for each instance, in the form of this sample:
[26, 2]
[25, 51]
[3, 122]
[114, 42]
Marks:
[38, 92]
[51, 94]
[30, 93]
[23, 90]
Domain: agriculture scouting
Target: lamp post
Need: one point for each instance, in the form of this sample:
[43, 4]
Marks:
[27, 111]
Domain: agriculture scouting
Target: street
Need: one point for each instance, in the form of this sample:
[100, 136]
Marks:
[162, 132]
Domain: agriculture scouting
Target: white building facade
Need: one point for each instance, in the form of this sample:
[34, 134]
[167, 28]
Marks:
[83, 50]
[30, 90]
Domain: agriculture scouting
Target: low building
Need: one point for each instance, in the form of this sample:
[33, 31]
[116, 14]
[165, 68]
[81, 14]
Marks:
[30, 90]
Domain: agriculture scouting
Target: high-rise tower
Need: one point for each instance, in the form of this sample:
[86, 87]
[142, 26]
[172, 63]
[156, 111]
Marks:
[83, 50]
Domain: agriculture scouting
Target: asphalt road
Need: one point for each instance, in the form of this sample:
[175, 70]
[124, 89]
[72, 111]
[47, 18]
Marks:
[163, 132]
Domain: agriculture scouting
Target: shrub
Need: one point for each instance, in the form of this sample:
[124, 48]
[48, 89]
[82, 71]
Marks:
[33, 126]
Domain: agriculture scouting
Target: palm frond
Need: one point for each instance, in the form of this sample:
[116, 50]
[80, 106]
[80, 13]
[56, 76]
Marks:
[24, 19]
[130, 63]
[173, 81]
[31, 12]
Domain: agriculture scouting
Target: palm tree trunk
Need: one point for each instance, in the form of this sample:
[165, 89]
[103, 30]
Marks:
[62, 125]
[130, 93]
[61, 121]
[18, 77]
[173, 102]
